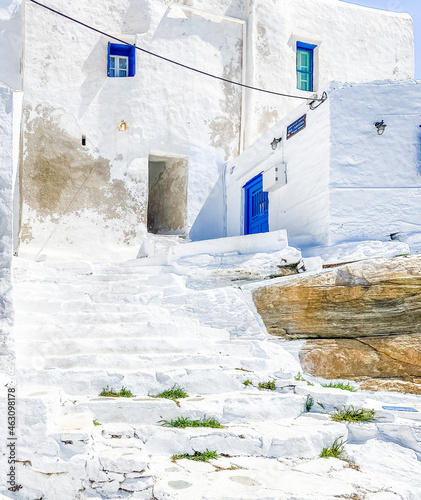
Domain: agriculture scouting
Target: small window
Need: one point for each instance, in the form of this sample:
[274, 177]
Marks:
[305, 66]
[121, 60]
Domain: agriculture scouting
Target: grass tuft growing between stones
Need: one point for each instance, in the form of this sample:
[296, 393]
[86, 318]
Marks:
[351, 414]
[270, 385]
[308, 405]
[176, 392]
[96, 422]
[183, 422]
[110, 392]
[340, 385]
[336, 450]
[198, 456]
[247, 382]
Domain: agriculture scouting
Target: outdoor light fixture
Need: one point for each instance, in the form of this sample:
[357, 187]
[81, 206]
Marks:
[275, 142]
[380, 126]
[122, 126]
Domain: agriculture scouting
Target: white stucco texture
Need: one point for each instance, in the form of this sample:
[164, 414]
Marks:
[92, 200]
[11, 42]
[6, 217]
[344, 181]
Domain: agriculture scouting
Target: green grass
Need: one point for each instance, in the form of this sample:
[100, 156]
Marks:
[244, 370]
[270, 385]
[110, 392]
[308, 405]
[299, 377]
[176, 392]
[96, 422]
[183, 422]
[247, 382]
[351, 414]
[340, 385]
[336, 450]
[199, 456]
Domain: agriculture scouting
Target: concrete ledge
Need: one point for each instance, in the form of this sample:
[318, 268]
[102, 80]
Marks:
[247, 244]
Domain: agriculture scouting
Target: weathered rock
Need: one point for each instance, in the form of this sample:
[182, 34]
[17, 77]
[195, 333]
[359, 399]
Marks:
[369, 298]
[394, 385]
[391, 363]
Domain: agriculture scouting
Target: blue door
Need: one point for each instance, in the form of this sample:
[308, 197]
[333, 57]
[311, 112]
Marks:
[256, 210]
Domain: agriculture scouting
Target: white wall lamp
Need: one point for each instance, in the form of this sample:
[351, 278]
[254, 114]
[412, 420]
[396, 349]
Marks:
[122, 126]
[380, 126]
[275, 142]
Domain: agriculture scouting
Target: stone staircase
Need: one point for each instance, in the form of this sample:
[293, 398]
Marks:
[81, 327]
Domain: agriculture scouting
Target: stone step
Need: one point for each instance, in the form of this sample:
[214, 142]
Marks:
[301, 437]
[88, 306]
[89, 381]
[250, 405]
[141, 345]
[140, 315]
[167, 328]
[157, 361]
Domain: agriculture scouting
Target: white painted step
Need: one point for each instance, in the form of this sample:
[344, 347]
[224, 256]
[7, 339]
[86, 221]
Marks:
[142, 345]
[90, 381]
[157, 362]
[249, 405]
[165, 328]
[91, 317]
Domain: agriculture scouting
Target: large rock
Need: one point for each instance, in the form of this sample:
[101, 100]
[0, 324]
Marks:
[364, 299]
[396, 357]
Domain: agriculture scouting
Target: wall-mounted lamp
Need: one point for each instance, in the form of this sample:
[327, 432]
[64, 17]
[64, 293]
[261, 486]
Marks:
[380, 126]
[122, 126]
[275, 142]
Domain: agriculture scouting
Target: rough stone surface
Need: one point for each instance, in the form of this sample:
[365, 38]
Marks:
[370, 298]
[395, 357]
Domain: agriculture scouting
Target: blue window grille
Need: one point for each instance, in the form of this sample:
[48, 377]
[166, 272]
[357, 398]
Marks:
[305, 66]
[121, 60]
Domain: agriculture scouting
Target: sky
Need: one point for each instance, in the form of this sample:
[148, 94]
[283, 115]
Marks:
[413, 7]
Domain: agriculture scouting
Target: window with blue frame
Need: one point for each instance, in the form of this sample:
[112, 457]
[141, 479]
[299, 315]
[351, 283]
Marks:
[121, 60]
[305, 66]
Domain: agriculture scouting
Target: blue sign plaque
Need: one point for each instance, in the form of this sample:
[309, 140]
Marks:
[296, 127]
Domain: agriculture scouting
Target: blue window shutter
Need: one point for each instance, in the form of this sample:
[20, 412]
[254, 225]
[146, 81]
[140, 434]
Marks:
[132, 61]
[108, 60]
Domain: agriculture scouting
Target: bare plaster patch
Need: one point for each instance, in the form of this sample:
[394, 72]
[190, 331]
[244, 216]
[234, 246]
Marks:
[268, 118]
[59, 176]
[225, 129]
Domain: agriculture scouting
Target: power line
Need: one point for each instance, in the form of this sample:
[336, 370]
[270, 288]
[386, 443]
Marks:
[170, 60]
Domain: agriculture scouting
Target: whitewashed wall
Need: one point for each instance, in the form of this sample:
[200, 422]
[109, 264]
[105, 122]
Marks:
[11, 42]
[170, 111]
[345, 182]
[6, 231]
[375, 181]
[302, 205]
[92, 201]
[354, 44]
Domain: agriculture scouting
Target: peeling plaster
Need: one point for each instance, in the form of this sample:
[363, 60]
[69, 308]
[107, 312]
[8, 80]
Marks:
[59, 176]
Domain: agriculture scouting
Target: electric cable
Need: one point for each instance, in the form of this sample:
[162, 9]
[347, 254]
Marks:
[175, 62]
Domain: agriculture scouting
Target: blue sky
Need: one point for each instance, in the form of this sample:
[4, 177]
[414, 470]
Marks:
[413, 7]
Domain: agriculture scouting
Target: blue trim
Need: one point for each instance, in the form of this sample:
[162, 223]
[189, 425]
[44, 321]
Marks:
[119, 49]
[256, 206]
[309, 48]
[306, 46]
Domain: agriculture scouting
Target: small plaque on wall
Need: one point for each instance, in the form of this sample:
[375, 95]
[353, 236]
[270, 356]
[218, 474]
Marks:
[297, 126]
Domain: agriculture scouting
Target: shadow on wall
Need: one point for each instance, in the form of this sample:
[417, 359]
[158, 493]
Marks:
[211, 221]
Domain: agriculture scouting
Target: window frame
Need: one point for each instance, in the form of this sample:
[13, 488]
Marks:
[309, 48]
[120, 51]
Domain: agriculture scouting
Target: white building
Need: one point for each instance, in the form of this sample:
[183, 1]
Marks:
[334, 176]
[91, 190]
